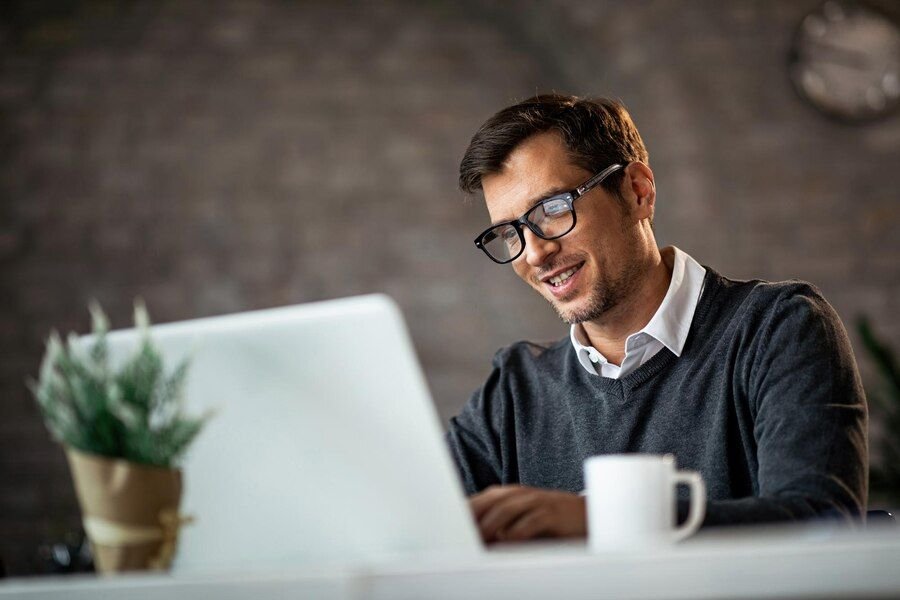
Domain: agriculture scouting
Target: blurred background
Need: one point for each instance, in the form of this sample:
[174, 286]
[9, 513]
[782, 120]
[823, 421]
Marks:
[213, 157]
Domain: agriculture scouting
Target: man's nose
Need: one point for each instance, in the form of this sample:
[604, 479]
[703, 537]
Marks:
[538, 250]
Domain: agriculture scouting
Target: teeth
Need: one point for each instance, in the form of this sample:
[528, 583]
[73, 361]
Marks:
[558, 279]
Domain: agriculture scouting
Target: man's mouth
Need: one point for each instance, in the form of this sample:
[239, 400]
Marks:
[559, 279]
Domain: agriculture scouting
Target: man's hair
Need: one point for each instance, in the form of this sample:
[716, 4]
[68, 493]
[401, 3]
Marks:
[597, 133]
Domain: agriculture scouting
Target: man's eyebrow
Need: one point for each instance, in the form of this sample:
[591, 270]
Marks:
[545, 196]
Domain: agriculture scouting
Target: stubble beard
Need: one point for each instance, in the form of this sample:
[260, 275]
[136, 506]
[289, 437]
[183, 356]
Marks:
[606, 294]
[609, 291]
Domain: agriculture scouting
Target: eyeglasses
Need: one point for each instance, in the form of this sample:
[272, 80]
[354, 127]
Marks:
[549, 219]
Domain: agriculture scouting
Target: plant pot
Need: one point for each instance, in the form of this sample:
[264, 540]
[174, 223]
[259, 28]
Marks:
[129, 511]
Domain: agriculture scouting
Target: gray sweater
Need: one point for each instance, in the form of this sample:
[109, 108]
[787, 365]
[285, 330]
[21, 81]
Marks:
[765, 402]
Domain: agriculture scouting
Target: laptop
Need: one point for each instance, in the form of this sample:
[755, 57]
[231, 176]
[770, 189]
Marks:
[325, 447]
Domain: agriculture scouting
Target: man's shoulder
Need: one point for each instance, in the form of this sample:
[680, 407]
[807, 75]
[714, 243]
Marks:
[762, 307]
[530, 353]
[763, 294]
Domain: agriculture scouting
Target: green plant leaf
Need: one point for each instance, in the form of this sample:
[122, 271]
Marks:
[885, 477]
[134, 412]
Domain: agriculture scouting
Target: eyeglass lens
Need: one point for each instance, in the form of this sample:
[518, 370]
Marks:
[550, 219]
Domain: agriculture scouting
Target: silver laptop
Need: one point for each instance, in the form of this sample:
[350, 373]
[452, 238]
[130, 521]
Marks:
[325, 446]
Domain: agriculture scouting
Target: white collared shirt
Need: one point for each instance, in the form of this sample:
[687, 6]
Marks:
[668, 328]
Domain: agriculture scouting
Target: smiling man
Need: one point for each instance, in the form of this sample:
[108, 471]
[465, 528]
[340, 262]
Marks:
[751, 383]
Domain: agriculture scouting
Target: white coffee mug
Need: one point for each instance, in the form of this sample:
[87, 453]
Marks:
[631, 501]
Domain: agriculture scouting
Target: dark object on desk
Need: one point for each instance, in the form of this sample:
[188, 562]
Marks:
[70, 556]
[880, 518]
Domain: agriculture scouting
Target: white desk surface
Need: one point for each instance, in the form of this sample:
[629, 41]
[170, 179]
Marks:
[747, 563]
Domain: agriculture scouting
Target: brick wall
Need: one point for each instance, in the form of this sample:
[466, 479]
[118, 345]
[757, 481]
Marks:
[182, 151]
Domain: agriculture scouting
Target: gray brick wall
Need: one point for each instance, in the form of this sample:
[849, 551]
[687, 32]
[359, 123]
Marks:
[181, 152]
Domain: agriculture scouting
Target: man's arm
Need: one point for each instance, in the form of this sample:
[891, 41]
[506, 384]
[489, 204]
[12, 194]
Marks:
[810, 418]
[474, 437]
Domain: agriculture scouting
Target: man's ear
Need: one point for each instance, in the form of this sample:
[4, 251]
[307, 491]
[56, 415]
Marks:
[641, 189]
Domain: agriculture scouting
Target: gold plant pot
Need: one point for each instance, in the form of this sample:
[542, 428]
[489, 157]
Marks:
[129, 511]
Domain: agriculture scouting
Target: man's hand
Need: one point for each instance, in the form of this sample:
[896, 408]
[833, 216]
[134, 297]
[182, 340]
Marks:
[514, 512]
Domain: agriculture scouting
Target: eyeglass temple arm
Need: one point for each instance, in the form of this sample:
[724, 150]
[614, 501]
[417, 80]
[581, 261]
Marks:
[597, 178]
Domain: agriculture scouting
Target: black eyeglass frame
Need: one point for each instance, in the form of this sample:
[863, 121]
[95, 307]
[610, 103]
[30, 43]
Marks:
[568, 197]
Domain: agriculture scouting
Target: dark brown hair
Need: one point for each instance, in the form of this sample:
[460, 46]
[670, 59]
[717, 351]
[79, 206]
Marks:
[597, 133]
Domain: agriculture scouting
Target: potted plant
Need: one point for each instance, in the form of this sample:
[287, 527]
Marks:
[124, 432]
[884, 477]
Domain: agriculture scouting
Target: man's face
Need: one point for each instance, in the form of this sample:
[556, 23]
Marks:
[601, 256]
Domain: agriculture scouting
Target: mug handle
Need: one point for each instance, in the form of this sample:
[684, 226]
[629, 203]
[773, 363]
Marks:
[697, 510]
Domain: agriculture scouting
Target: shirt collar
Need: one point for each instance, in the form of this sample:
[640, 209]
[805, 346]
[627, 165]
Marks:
[671, 322]
[582, 350]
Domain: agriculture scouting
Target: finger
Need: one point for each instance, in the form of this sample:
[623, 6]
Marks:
[483, 501]
[506, 511]
[535, 523]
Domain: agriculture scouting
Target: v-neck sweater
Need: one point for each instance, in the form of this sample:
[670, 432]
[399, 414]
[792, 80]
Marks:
[765, 402]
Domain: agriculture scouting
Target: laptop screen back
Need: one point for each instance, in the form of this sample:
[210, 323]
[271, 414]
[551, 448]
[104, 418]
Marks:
[325, 446]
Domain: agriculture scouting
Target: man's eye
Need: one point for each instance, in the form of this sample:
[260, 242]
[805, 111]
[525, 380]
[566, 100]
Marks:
[509, 234]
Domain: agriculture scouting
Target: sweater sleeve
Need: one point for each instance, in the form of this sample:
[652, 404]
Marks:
[474, 440]
[810, 424]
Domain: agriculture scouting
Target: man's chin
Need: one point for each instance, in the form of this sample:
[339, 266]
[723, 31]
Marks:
[580, 309]
[571, 312]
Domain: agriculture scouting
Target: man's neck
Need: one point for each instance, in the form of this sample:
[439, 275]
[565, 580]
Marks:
[609, 333]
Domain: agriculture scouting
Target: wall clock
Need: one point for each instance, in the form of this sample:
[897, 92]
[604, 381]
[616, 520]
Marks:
[845, 61]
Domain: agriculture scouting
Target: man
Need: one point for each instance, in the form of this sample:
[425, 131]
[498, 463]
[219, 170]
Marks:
[753, 384]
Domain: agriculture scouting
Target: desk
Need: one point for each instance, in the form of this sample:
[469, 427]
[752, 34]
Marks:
[770, 563]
